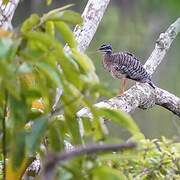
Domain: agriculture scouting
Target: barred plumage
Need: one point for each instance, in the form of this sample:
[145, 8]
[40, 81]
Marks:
[124, 65]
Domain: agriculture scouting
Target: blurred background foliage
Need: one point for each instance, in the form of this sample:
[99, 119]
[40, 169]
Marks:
[131, 25]
[29, 78]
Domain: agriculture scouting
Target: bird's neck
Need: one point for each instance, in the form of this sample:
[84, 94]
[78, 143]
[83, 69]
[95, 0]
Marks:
[107, 55]
[107, 61]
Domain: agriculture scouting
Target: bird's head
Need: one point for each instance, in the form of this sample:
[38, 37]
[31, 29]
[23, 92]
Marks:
[105, 48]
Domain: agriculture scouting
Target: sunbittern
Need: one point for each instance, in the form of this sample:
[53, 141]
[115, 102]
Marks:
[124, 65]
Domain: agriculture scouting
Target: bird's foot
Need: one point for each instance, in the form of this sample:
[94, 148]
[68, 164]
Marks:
[121, 93]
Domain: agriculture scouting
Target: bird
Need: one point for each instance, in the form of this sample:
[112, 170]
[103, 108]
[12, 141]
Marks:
[124, 65]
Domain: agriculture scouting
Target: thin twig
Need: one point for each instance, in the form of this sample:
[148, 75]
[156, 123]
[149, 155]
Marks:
[4, 134]
[53, 160]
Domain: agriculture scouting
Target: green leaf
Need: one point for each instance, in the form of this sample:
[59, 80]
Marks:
[107, 173]
[66, 16]
[119, 117]
[116, 157]
[83, 61]
[18, 149]
[68, 66]
[48, 2]
[30, 23]
[33, 139]
[67, 34]
[18, 112]
[71, 121]
[5, 46]
[87, 126]
[71, 102]
[73, 76]
[13, 50]
[9, 81]
[56, 134]
[5, 2]
[52, 73]
[49, 28]
[46, 40]
[32, 54]
[32, 94]
[87, 66]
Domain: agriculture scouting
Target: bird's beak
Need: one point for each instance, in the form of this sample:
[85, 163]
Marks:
[98, 50]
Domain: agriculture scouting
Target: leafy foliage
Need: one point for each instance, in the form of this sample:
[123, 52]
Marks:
[153, 159]
[29, 78]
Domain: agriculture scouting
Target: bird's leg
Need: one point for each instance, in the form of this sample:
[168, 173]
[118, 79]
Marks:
[122, 89]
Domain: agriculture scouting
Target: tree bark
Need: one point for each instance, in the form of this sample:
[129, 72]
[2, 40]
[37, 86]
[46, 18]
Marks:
[92, 16]
[6, 13]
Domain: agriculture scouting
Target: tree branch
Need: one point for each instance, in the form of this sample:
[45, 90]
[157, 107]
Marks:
[168, 101]
[53, 160]
[4, 151]
[162, 45]
[92, 16]
[6, 13]
[142, 95]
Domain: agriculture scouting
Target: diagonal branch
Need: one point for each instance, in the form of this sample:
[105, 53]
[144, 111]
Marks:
[162, 45]
[142, 95]
[92, 16]
[7, 12]
[54, 159]
[168, 101]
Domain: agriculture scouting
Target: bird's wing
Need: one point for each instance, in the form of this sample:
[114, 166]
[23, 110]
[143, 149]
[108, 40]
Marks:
[129, 65]
[122, 69]
[129, 72]
[132, 55]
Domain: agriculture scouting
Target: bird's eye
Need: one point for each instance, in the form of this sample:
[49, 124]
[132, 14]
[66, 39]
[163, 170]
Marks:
[104, 45]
